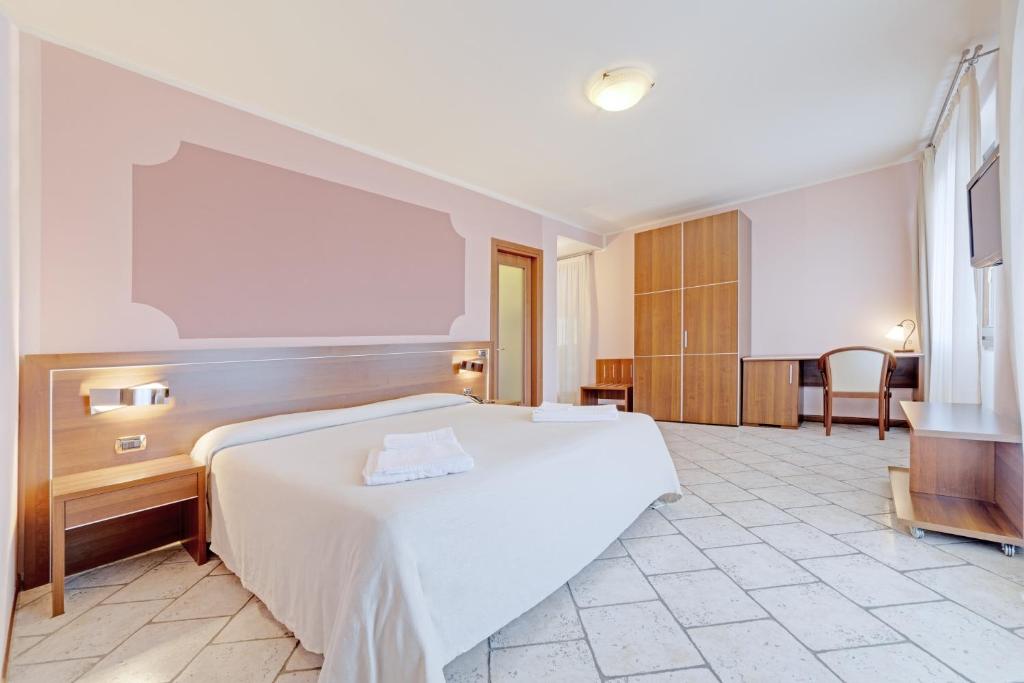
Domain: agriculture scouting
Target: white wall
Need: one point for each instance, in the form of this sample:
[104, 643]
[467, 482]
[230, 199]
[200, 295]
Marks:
[8, 321]
[613, 278]
[831, 266]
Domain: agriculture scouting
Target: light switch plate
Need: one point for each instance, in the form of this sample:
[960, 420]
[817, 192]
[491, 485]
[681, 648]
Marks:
[130, 444]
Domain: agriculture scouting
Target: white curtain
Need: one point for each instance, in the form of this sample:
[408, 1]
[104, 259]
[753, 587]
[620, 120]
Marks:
[575, 325]
[1010, 98]
[951, 288]
[923, 301]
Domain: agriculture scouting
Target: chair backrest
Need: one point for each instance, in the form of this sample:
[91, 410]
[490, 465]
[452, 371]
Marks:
[857, 369]
[614, 371]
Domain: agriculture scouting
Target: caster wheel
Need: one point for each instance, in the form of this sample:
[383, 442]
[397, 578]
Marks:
[1009, 550]
[916, 533]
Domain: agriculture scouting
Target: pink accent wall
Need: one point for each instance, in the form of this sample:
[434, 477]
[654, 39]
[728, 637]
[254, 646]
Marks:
[230, 247]
[98, 121]
[832, 265]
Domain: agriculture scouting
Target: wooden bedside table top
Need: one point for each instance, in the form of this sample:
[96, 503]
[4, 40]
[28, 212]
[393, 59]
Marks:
[960, 421]
[122, 476]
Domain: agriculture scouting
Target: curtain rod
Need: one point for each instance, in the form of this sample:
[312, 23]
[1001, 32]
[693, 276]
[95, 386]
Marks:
[965, 58]
[579, 253]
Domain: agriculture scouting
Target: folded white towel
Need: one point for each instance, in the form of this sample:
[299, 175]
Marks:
[444, 435]
[564, 412]
[416, 456]
[551, 405]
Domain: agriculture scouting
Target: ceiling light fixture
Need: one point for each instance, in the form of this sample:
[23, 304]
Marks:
[619, 89]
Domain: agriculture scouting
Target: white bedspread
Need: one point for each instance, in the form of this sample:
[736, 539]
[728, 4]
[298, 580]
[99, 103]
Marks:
[393, 582]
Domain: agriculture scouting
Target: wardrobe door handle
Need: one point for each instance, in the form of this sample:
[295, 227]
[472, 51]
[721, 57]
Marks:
[684, 339]
[790, 373]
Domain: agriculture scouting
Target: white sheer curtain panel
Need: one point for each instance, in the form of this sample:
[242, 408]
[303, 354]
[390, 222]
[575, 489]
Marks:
[952, 298]
[923, 300]
[576, 320]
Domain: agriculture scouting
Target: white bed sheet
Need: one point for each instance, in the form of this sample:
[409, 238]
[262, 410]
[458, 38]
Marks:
[392, 582]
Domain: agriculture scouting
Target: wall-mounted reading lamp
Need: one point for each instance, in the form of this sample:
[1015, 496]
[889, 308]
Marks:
[472, 365]
[478, 364]
[105, 400]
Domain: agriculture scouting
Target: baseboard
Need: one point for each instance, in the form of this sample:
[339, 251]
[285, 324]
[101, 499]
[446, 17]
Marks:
[837, 419]
[10, 630]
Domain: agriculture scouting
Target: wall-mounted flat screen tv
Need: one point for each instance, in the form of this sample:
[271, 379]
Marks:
[983, 211]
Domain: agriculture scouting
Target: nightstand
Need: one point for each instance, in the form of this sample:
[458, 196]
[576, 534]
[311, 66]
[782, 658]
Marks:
[100, 495]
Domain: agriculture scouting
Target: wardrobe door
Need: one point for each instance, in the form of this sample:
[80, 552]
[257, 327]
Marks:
[657, 260]
[709, 319]
[657, 331]
[711, 389]
[711, 250]
[714, 309]
[656, 387]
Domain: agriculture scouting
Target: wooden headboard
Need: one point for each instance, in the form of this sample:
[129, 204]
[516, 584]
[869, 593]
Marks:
[208, 388]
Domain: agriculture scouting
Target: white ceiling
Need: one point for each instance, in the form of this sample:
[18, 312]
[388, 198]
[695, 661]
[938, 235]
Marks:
[752, 96]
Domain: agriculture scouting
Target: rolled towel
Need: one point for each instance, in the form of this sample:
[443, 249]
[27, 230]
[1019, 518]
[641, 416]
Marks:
[563, 412]
[416, 456]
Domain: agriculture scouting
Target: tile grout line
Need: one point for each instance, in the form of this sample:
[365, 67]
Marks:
[72, 621]
[48, 593]
[658, 599]
[150, 622]
[583, 628]
[661, 599]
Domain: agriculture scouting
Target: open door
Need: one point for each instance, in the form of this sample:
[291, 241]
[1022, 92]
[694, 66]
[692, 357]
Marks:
[516, 291]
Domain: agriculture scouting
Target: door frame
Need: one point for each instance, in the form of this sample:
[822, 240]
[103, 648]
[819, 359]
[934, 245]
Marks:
[536, 314]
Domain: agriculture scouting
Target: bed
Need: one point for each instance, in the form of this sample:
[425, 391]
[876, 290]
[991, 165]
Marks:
[392, 582]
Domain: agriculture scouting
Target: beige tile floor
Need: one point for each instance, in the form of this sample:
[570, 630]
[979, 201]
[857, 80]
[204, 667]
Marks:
[782, 562]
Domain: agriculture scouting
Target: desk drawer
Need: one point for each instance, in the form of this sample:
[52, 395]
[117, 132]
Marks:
[81, 511]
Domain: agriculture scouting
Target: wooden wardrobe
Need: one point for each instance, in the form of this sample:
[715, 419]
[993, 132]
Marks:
[692, 319]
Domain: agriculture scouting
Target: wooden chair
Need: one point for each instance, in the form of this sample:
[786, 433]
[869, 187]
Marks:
[857, 372]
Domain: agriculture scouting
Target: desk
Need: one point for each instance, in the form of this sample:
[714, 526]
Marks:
[590, 393]
[966, 474]
[614, 382]
[771, 388]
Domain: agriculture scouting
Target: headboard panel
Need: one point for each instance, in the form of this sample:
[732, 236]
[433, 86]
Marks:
[208, 388]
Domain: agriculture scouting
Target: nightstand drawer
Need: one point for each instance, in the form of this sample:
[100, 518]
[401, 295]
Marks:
[81, 511]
